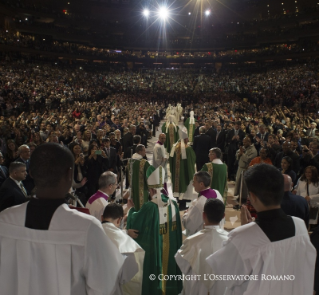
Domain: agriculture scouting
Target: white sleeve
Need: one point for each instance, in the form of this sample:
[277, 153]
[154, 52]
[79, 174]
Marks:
[102, 262]
[218, 266]
[192, 219]
[130, 268]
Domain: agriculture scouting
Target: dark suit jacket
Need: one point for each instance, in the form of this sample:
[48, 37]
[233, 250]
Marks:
[112, 159]
[28, 182]
[265, 136]
[212, 134]
[233, 144]
[220, 142]
[127, 141]
[10, 194]
[295, 205]
[201, 146]
[5, 176]
[196, 132]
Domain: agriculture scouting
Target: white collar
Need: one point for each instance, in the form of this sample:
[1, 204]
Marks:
[212, 226]
[136, 156]
[217, 161]
[16, 181]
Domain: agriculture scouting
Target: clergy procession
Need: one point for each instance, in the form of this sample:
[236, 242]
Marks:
[160, 224]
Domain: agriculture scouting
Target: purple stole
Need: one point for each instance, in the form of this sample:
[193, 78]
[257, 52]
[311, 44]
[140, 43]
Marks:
[208, 194]
[96, 196]
[159, 143]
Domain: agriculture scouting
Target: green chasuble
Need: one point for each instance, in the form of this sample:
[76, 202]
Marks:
[159, 247]
[182, 170]
[190, 129]
[139, 187]
[218, 173]
[171, 136]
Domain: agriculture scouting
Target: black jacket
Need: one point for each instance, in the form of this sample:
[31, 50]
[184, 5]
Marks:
[201, 146]
[220, 142]
[212, 134]
[4, 174]
[10, 194]
[28, 182]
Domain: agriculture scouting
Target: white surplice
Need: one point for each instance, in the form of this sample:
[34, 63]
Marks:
[72, 257]
[159, 154]
[132, 276]
[192, 220]
[248, 251]
[191, 258]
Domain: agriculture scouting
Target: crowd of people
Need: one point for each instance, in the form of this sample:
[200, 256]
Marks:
[99, 120]
[30, 41]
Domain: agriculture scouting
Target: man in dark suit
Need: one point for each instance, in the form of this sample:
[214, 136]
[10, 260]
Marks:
[233, 139]
[128, 138]
[211, 132]
[294, 205]
[111, 155]
[262, 136]
[201, 146]
[12, 191]
[4, 173]
[220, 137]
[24, 152]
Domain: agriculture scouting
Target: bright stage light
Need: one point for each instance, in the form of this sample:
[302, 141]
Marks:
[146, 12]
[163, 13]
[207, 12]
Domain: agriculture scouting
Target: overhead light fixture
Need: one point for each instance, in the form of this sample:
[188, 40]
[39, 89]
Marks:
[163, 12]
[146, 12]
[207, 12]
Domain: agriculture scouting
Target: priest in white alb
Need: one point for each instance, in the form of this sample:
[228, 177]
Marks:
[46, 247]
[191, 257]
[193, 217]
[160, 157]
[271, 255]
[132, 274]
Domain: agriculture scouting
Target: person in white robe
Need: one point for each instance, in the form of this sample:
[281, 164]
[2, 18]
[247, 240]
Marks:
[132, 276]
[107, 186]
[160, 156]
[191, 257]
[272, 255]
[192, 219]
[48, 248]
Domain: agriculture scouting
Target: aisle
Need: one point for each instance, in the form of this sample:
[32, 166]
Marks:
[232, 217]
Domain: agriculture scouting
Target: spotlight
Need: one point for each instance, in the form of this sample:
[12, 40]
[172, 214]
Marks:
[163, 13]
[207, 12]
[189, 13]
[146, 12]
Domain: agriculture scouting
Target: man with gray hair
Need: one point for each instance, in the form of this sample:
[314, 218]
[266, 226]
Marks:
[24, 157]
[12, 191]
[107, 186]
[193, 217]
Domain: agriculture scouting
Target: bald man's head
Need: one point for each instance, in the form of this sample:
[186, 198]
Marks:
[287, 183]
[162, 138]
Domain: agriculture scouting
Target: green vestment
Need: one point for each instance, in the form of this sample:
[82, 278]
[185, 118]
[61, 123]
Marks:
[159, 247]
[190, 129]
[182, 171]
[218, 173]
[171, 136]
[139, 188]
